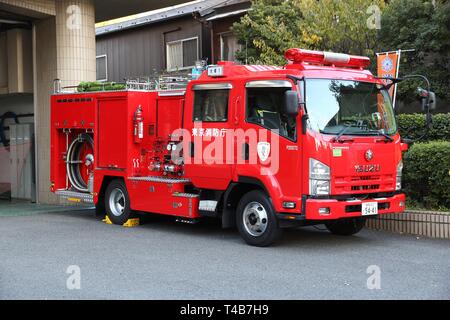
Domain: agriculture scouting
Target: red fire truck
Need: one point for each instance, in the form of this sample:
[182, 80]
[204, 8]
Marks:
[260, 147]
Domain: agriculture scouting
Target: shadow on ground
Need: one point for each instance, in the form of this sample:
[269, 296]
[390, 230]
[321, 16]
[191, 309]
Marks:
[210, 229]
[26, 208]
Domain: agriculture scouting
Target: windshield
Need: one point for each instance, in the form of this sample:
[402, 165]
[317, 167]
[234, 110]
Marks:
[358, 108]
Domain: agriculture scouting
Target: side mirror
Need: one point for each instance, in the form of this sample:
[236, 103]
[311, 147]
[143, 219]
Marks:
[432, 100]
[427, 97]
[291, 103]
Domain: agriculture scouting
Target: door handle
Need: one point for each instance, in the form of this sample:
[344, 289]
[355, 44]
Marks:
[246, 151]
[237, 110]
[191, 149]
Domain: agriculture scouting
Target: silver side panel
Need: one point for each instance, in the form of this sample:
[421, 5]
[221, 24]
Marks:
[213, 86]
[269, 84]
[159, 179]
[83, 197]
[22, 162]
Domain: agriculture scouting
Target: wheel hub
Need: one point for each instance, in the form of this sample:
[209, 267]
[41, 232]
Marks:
[117, 202]
[255, 219]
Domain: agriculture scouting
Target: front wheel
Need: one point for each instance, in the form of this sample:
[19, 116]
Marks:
[117, 202]
[346, 227]
[256, 220]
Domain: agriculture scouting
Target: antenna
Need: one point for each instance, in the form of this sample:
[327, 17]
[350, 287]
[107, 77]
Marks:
[246, 51]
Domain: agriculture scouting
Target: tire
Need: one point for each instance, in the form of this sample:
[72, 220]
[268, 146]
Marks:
[256, 220]
[117, 202]
[346, 227]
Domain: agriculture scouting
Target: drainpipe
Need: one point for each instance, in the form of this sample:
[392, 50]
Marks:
[208, 25]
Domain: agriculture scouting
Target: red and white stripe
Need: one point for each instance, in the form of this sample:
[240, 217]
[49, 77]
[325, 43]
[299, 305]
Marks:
[257, 68]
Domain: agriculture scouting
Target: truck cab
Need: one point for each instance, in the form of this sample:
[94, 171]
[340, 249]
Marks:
[332, 156]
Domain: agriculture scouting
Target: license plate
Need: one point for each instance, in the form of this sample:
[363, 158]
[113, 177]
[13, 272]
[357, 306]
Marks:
[369, 208]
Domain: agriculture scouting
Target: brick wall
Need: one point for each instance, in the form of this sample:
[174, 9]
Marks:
[420, 223]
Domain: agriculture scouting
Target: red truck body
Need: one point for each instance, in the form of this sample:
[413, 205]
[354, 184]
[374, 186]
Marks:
[131, 136]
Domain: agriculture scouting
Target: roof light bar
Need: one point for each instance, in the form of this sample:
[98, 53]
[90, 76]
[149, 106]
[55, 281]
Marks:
[326, 58]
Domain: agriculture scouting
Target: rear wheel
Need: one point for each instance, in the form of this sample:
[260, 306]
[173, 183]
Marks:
[256, 220]
[117, 202]
[346, 227]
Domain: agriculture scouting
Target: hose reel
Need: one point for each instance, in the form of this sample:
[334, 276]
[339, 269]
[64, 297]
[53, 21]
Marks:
[80, 162]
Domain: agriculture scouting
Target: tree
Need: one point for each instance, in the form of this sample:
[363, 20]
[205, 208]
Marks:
[273, 26]
[268, 30]
[343, 26]
[424, 26]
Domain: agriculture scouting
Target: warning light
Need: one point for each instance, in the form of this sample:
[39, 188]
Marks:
[298, 56]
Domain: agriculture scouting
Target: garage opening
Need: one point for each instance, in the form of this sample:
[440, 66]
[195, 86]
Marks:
[17, 158]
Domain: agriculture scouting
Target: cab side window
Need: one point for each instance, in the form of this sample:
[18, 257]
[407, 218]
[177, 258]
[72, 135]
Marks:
[211, 105]
[264, 107]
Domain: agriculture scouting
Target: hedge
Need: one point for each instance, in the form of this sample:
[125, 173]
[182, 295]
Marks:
[426, 174]
[412, 126]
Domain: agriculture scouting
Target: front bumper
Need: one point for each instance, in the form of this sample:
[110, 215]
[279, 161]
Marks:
[351, 208]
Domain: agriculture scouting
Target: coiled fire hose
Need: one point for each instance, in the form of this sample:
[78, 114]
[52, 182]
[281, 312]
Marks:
[74, 163]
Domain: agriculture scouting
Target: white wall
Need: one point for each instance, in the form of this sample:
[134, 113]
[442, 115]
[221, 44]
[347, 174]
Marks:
[19, 104]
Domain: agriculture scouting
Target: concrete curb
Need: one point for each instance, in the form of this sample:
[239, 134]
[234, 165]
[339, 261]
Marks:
[26, 209]
[420, 223]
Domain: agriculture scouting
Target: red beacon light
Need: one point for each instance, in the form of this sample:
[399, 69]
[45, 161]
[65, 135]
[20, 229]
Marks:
[298, 56]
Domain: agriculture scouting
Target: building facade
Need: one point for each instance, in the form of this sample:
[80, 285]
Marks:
[168, 41]
[41, 40]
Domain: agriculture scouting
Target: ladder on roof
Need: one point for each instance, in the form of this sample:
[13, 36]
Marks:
[163, 82]
[160, 83]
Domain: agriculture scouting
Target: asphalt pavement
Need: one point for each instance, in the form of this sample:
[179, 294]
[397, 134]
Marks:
[73, 255]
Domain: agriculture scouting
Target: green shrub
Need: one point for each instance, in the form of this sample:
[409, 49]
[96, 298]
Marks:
[413, 126]
[426, 174]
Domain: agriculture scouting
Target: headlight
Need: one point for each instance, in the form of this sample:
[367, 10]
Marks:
[318, 171]
[398, 182]
[319, 187]
[319, 178]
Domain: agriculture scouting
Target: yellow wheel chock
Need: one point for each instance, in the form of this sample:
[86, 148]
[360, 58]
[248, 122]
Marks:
[129, 224]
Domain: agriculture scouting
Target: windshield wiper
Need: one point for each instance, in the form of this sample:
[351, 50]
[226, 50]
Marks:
[347, 126]
[341, 133]
[380, 133]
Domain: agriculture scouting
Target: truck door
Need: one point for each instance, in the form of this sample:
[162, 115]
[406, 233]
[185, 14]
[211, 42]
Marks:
[275, 158]
[208, 121]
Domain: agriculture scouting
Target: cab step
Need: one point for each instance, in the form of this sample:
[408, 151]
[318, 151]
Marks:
[208, 208]
[186, 220]
[186, 205]
[185, 195]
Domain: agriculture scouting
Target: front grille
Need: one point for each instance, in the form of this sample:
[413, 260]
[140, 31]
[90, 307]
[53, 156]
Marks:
[366, 188]
[365, 178]
[363, 183]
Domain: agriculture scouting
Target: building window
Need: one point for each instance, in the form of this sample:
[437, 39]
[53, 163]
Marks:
[211, 105]
[102, 68]
[228, 46]
[182, 54]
